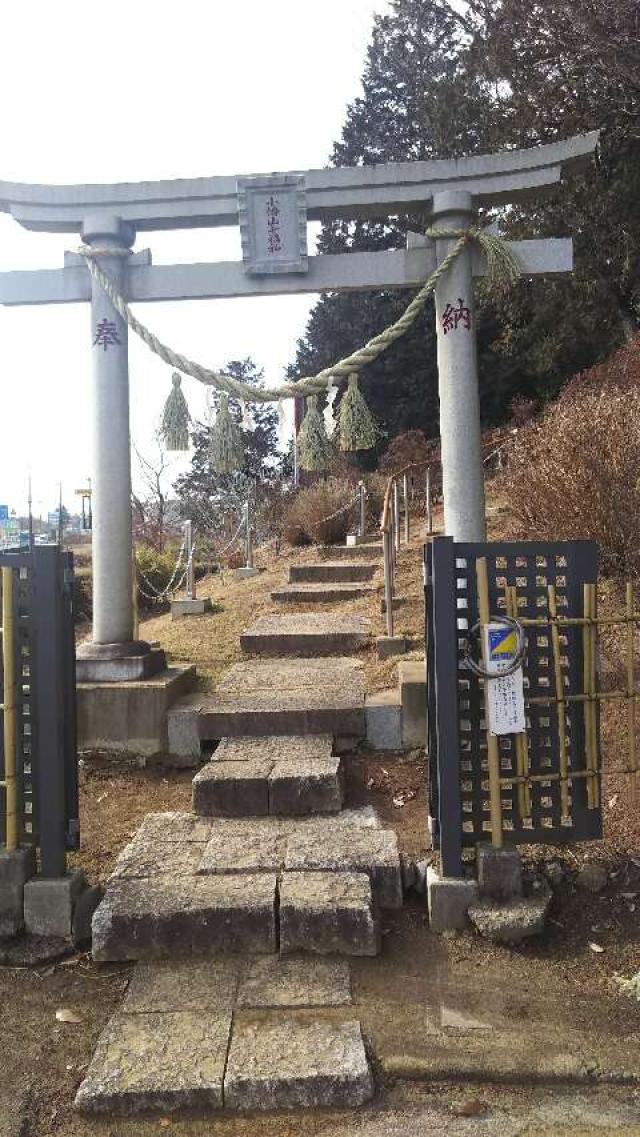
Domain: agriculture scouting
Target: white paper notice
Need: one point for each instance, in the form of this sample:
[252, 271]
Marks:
[505, 693]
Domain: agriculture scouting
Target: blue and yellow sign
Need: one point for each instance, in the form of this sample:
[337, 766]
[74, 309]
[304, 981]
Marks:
[503, 644]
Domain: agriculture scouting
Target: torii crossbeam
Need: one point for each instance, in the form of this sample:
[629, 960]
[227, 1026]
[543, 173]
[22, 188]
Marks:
[109, 217]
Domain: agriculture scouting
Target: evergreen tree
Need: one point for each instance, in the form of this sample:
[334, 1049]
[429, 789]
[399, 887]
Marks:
[444, 83]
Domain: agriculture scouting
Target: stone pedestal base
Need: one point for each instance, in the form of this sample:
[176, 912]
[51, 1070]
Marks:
[387, 646]
[130, 716]
[49, 904]
[16, 867]
[246, 572]
[449, 899]
[118, 663]
[187, 607]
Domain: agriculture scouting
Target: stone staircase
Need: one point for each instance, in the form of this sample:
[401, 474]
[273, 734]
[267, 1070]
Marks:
[328, 581]
[216, 905]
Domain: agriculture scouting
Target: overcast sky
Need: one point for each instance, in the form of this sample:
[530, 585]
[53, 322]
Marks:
[139, 90]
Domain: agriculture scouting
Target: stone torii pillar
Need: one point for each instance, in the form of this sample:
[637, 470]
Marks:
[109, 216]
[111, 535]
[460, 434]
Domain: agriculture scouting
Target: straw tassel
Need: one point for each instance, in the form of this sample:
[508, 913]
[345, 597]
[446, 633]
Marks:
[356, 428]
[175, 417]
[314, 448]
[226, 451]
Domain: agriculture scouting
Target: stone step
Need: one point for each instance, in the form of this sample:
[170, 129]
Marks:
[370, 550]
[322, 593]
[184, 1039]
[285, 697]
[189, 886]
[328, 913]
[335, 572]
[308, 633]
[289, 776]
[165, 916]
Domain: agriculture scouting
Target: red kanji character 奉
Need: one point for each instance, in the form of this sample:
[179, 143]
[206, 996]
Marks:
[106, 334]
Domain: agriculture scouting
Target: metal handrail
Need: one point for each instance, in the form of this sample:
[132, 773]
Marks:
[391, 530]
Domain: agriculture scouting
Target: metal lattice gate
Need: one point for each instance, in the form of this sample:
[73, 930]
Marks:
[43, 685]
[561, 787]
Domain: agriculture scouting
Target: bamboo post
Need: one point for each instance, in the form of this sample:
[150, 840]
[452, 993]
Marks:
[362, 518]
[631, 703]
[593, 656]
[407, 522]
[590, 709]
[396, 516]
[429, 503]
[134, 595]
[521, 740]
[493, 753]
[560, 702]
[9, 708]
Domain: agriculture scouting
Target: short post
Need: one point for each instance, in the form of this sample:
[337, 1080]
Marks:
[429, 503]
[462, 466]
[405, 494]
[387, 544]
[248, 541]
[396, 517]
[188, 547]
[362, 521]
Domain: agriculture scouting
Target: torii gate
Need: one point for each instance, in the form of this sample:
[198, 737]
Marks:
[110, 216]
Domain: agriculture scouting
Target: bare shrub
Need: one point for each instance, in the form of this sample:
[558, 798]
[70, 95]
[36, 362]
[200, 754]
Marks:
[575, 472]
[308, 519]
[405, 449]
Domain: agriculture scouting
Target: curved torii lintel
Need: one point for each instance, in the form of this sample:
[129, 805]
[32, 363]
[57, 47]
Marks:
[341, 192]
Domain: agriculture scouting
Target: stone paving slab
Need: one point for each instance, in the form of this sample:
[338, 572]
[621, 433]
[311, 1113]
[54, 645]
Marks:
[286, 697]
[322, 593]
[337, 572]
[283, 712]
[144, 857]
[183, 985]
[289, 1064]
[305, 787]
[374, 852]
[276, 747]
[165, 917]
[174, 826]
[308, 633]
[250, 848]
[268, 844]
[281, 779]
[327, 912]
[232, 789]
[271, 981]
[293, 675]
[156, 1061]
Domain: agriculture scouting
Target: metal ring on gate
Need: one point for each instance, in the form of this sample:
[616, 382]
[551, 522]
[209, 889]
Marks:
[518, 660]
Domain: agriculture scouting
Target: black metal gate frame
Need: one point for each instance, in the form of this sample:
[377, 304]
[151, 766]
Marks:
[458, 779]
[46, 743]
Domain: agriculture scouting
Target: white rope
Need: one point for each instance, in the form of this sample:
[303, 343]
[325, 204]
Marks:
[168, 588]
[343, 509]
[304, 386]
